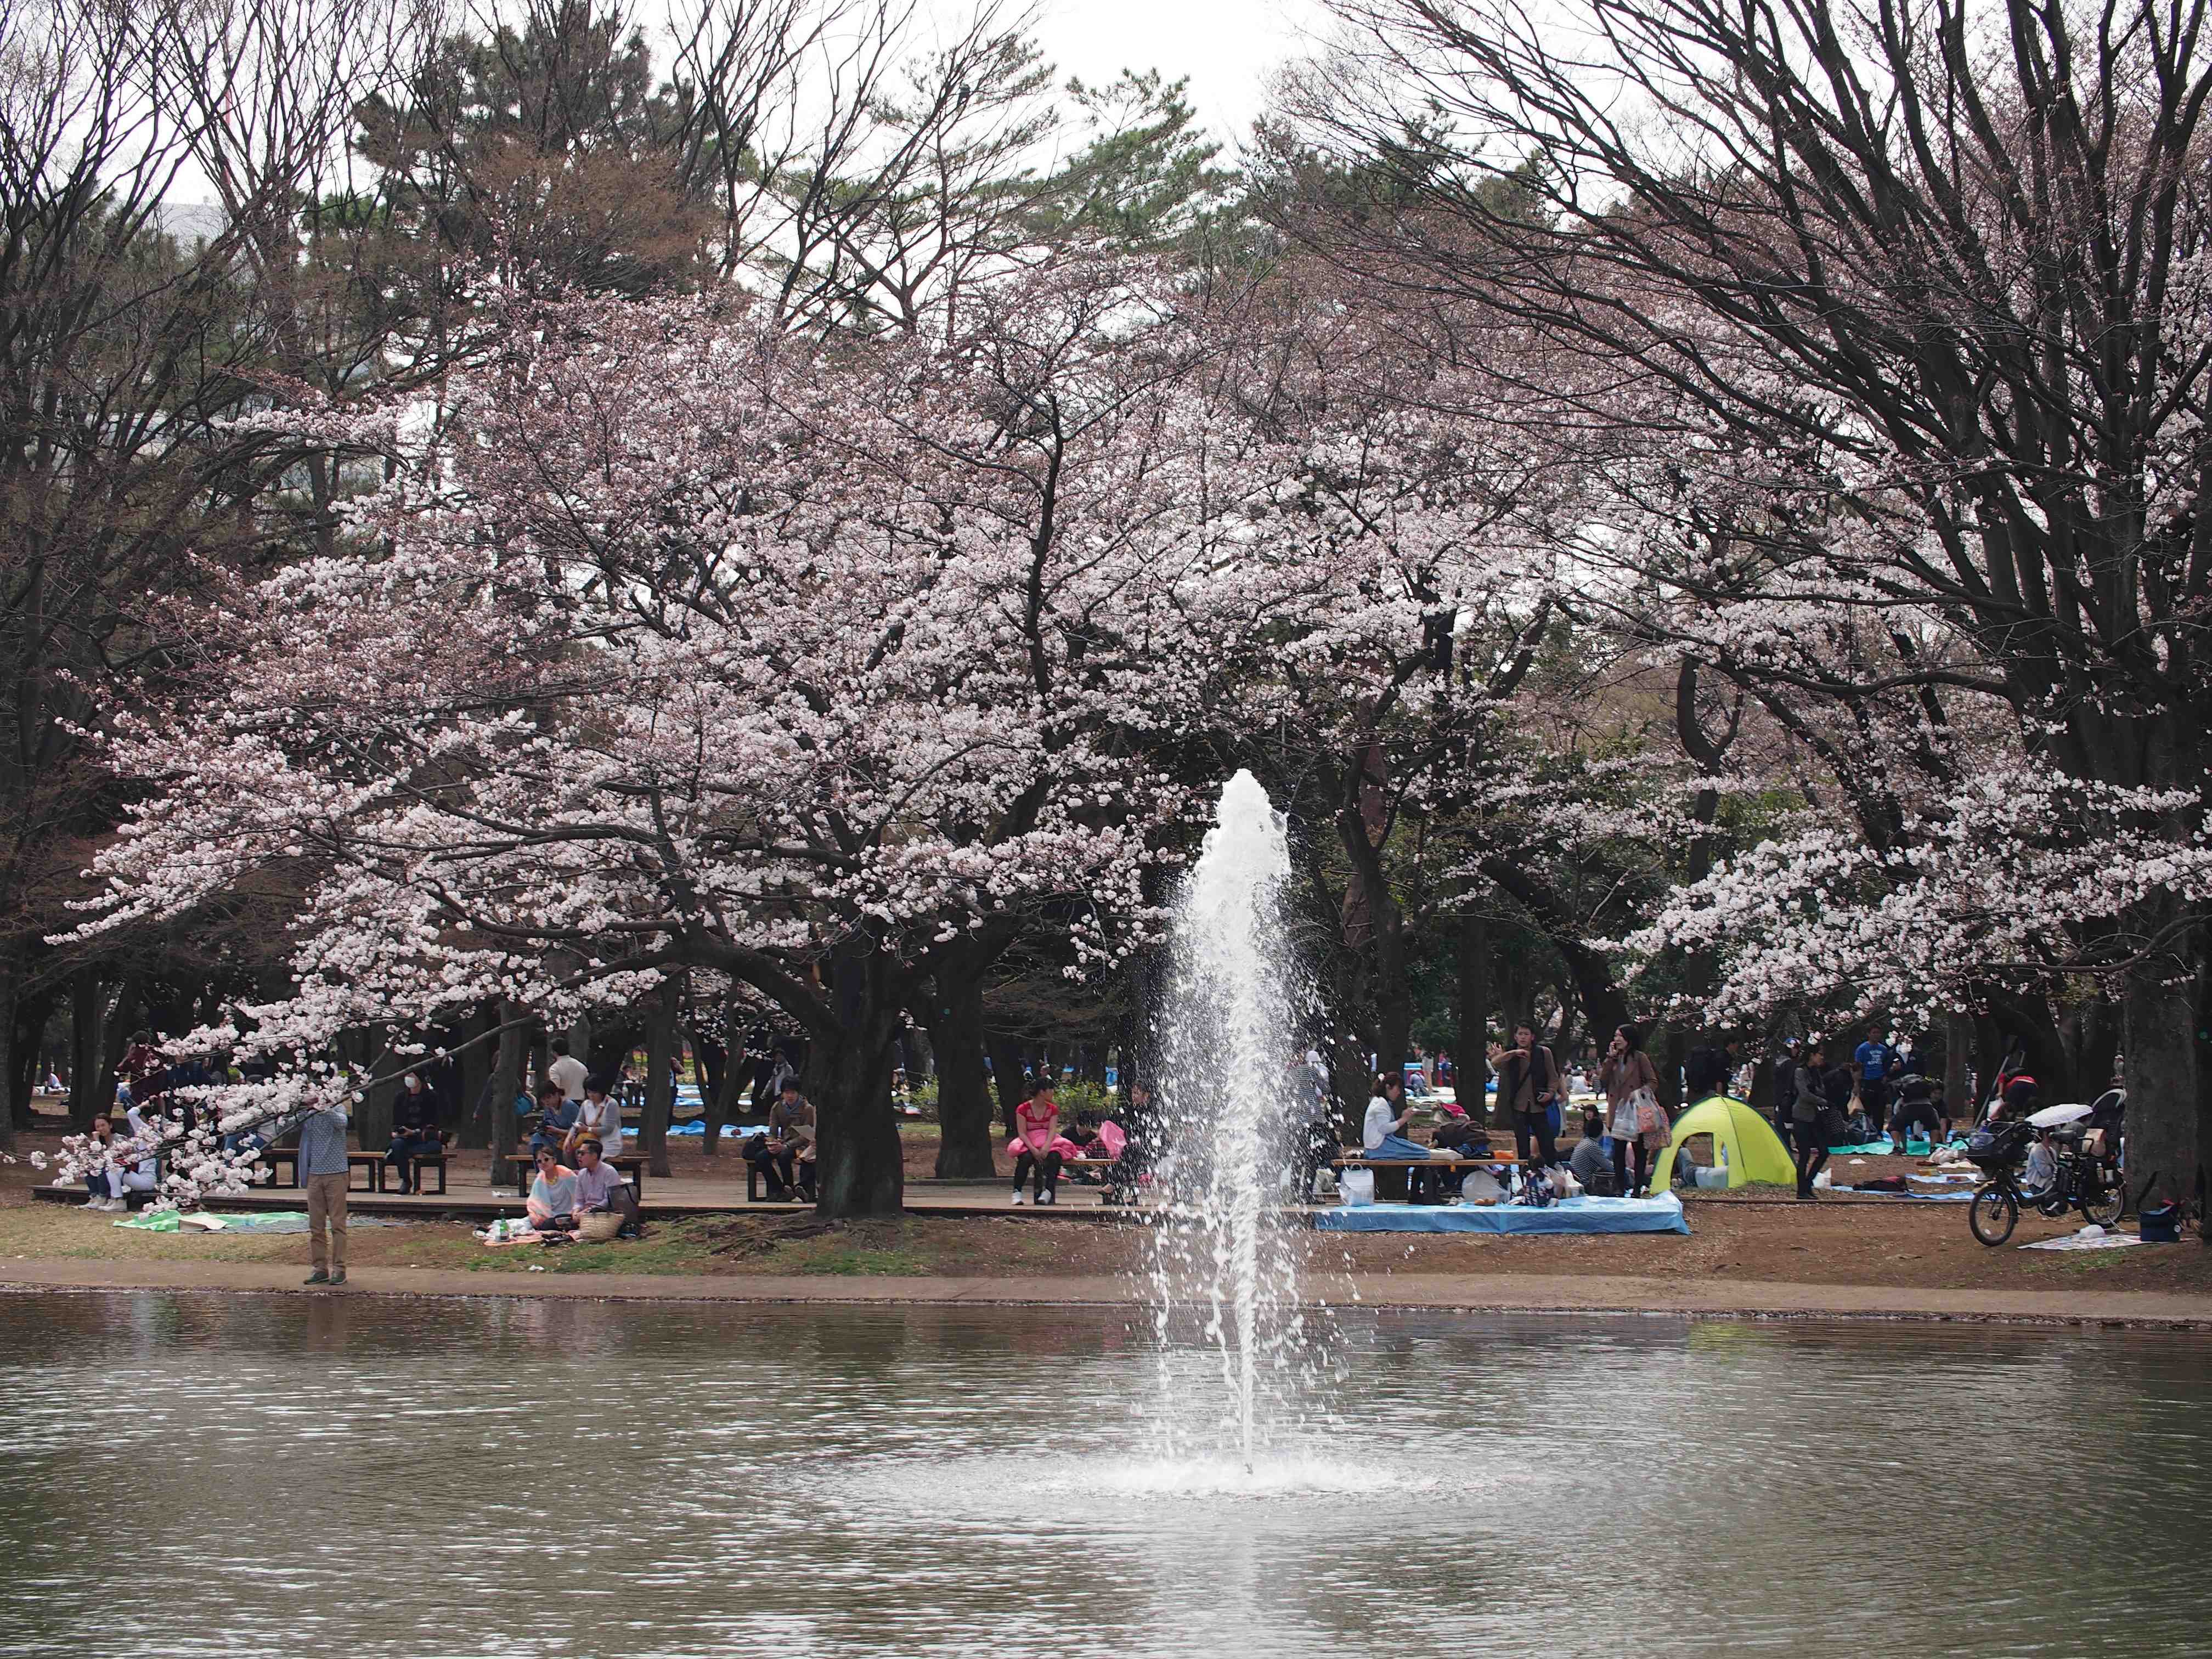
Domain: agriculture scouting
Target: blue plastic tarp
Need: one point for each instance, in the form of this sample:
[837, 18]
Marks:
[1663, 1214]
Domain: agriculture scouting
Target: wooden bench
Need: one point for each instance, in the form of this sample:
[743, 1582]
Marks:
[1458, 1166]
[371, 1165]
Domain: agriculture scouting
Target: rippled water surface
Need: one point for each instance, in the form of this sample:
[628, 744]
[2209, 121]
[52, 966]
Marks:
[197, 1475]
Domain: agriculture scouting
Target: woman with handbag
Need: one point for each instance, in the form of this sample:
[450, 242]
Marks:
[599, 1118]
[1635, 1118]
[1809, 1114]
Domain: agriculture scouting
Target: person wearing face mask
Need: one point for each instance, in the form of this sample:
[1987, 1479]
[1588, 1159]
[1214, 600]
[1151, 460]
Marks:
[415, 1130]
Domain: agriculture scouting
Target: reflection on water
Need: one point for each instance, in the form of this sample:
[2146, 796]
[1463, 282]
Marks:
[201, 1475]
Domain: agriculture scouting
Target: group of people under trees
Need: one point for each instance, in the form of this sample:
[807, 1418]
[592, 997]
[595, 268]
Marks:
[1534, 1096]
[1880, 1091]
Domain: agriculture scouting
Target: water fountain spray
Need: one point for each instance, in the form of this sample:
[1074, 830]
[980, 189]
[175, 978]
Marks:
[1228, 1104]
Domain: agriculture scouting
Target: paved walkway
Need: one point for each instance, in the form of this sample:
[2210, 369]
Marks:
[469, 1195]
[1504, 1293]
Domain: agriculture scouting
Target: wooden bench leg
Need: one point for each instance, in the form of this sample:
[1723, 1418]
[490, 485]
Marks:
[441, 1179]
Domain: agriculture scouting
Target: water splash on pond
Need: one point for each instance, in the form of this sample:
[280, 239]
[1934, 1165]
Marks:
[1224, 1261]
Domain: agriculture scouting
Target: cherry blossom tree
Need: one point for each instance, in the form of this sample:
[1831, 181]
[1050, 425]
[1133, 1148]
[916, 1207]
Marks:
[674, 641]
[1916, 296]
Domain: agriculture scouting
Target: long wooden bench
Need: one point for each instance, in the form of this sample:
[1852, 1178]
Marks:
[1458, 1166]
[371, 1165]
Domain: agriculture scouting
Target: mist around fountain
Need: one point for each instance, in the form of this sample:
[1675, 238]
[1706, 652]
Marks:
[1242, 1371]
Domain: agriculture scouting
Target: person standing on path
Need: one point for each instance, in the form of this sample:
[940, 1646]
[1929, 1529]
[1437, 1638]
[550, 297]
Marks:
[1874, 1059]
[323, 1173]
[1806, 1114]
[568, 1072]
[1630, 1083]
[1528, 1084]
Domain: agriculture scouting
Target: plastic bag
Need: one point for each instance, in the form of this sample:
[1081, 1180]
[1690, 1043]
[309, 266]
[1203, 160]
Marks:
[1480, 1186]
[1357, 1187]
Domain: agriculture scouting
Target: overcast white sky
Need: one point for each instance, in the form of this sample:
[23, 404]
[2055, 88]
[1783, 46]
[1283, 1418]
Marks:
[1226, 47]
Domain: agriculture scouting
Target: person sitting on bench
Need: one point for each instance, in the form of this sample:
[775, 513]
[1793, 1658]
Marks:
[552, 1201]
[599, 1186]
[556, 1115]
[600, 1116]
[1037, 1121]
[108, 1185]
[415, 1130]
[785, 1155]
[1382, 1134]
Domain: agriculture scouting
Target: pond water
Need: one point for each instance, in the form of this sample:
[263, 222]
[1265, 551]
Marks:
[201, 1475]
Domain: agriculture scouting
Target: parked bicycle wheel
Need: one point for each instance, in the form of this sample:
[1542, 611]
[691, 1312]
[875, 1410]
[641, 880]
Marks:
[2102, 1200]
[1994, 1214]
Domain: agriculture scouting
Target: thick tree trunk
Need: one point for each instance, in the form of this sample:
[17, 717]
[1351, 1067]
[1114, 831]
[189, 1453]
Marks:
[1007, 1079]
[659, 1083]
[87, 1025]
[1958, 1066]
[478, 1106]
[8, 1000]
[2164, 1131]
[1471, 1058]
[114, 1040]
[963, 1091]
[861, 1167]
[31, 1021]
[861, 1170]
[1666, 1044]
[728, 1099]
[507, 1075]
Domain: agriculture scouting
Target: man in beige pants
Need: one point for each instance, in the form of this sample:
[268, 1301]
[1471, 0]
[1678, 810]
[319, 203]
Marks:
[323, 1173]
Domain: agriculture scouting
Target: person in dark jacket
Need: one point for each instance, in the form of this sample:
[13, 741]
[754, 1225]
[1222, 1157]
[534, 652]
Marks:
[1805, 1112]
[1528, 1085]
[1781, 1099]
[414, 1131]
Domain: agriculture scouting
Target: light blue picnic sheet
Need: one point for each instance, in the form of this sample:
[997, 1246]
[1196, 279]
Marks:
[1663, 1214]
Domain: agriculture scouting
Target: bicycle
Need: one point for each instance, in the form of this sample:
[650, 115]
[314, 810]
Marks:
[2078, 1179]
[1998, 1151]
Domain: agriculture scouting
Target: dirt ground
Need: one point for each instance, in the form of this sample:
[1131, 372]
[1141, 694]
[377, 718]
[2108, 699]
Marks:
[1734, 1239]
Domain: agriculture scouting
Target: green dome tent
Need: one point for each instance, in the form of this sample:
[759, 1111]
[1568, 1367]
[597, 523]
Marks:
[1755, 1153]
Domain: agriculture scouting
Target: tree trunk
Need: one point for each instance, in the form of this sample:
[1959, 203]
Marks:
[1958, 1066]
[861, 1169]
[479, 1061]
[88, 1025]
[506, 1074]
[1665, 1042]
[1006, 1076]
[726, 1100]
[24, 1081]
[8, 1000]
[1472, 1061]
[963, 1093]
[659, 1083]
[2166, 1149]
[114, 1039]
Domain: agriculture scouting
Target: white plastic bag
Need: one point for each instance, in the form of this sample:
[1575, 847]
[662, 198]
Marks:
[1822, 1184]
[1357, 1187]
[1480, 1186]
